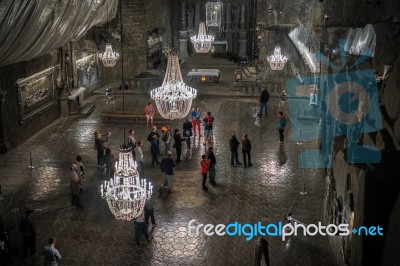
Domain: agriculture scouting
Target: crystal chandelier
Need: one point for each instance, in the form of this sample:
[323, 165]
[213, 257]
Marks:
[173, 98]
[277, 61]
[125, 193]
[109, 58]
[202, 42]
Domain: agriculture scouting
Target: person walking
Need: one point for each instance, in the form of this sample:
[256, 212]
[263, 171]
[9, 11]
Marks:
[155, 150]
[28, 231]
[149, 211]
[75, 181]
[187, 131]
[51, 254]
[264, 98]
[204, 165]
[281, 125]
[233, 146]
[213, 162]
[167, 169]
[141, 229]
[139, 158]
[178, 145]
[150, 112]
[246, 148]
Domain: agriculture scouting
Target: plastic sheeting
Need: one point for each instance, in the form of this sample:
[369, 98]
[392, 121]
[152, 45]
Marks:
[31, 28]
[307, 44]
[361, 41]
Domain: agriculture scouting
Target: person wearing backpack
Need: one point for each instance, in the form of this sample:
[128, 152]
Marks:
[187, 131]
[264, 98]
[281, 127]
[150, 112]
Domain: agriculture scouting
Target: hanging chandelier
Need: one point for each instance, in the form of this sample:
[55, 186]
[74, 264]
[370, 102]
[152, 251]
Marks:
[173, 98]
[125, 193]
[277, 61]
[202, 42]
[109, 57]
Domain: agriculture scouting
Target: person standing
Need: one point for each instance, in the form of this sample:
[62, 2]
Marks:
[196, 120]
[281, 126]
[213, 162]
[167, 168]
[75, 181]
[204, 165]
[152, 133]
[139, 158]
[141, 229]
[233, 146]
[150, 112]
[155, 150]
[109, 161]
[99, 140]
[51, 254]
[264, 98]
[28, 231]
[246, 148]
[178, 145]
[132, 142]
[208, 128]
[166, 139]
[187, 131]
[81, 169]
[149, 211]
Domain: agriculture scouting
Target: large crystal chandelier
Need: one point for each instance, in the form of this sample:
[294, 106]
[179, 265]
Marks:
[125, 193]
[109, 57]
[202, 42]
[277, 61]
[173, 98]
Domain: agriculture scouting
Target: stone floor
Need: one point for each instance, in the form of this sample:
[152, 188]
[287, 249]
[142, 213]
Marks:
[92, 236]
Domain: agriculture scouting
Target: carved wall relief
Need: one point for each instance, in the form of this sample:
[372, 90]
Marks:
[35, 93]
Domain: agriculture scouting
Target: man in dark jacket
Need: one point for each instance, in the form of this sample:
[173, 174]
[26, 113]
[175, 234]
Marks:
[264, 98]
[155, 150]
[246, 148]
[233, 146]
[29, 234]
[187, 131]
[167, 168]
[211, 169]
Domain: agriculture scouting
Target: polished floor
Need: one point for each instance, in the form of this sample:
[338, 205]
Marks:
[265, 192]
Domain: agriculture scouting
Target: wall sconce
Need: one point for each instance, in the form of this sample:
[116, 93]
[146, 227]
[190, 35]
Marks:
[203, 78]
[86, 65]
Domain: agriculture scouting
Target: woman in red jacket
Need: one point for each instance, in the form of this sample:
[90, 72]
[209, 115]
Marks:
[205, 165]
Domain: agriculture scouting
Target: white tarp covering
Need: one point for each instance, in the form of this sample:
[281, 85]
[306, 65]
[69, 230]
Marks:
[361, 41]
[307, 44]
[31, 28]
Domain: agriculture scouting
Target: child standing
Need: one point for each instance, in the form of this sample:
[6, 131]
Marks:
[81, 168]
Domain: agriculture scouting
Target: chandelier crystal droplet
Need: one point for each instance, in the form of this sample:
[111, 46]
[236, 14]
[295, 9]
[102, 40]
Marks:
[202, 41]
[109, 57]
[277, 61]
[173, 98]
[126, 193]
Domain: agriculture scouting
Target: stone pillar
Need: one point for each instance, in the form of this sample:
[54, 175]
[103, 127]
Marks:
[183, 54]
[228, 16]
[228, 30]
[243, 43]
[197, 15]
[183, 15]
[3, 138]
[243, 17]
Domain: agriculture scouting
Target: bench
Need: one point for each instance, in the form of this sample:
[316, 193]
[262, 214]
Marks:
[134, 116]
